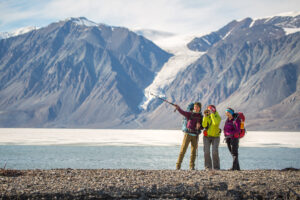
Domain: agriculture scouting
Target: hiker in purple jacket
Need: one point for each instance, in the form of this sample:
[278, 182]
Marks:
[231, 133]
[194, 126]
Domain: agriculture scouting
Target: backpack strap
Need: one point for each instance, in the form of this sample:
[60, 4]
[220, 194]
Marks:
[234, 119]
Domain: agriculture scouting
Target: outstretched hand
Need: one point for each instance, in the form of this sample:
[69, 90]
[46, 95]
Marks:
[176, 106]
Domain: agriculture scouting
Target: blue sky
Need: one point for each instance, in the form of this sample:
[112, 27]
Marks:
[176, 16]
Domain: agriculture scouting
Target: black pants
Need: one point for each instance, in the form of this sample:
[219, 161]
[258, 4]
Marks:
[233, 146]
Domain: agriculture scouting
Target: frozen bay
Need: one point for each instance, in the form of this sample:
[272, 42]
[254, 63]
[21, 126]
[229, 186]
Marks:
[135, 149]
[127, 137]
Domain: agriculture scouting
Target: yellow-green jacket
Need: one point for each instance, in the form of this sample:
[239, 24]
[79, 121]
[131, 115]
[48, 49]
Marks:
[211, 123]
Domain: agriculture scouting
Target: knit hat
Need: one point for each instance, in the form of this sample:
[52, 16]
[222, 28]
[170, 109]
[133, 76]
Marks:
[230, 110]
[212, 108]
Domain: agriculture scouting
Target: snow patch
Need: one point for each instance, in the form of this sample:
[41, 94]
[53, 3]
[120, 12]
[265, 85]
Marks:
[268, 18]
[291, 30]
[286, 14]
[17, 32]
[82, 21]
[51, 70]
[227, 35]
[4, 35]
[205, 40]
[24, 30]
[252, 23]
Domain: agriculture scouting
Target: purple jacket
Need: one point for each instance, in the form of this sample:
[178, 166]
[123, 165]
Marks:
[232, 128]
[193, 118]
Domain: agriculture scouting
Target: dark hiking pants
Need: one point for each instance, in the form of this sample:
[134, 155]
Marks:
[233, 146]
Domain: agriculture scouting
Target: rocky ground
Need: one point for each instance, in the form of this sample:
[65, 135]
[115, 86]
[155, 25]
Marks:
[149, 184]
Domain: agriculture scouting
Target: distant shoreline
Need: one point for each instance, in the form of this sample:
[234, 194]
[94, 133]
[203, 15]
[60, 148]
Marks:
[145, 184]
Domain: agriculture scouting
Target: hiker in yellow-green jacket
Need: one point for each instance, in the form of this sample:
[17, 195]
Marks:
[211, 136]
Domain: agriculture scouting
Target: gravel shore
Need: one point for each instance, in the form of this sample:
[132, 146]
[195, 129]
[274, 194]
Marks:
[149, 184]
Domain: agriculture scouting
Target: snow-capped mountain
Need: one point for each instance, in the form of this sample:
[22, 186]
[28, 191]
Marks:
[250, 65]
[75, 73]
[82, 21]
[261, 29]
[4, 35]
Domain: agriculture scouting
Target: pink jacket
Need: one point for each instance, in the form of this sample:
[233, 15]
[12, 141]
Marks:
[232, 128]
[193, 118]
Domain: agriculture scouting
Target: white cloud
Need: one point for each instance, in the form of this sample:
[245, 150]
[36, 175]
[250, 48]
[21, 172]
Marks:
[155, 14]
[167, 15]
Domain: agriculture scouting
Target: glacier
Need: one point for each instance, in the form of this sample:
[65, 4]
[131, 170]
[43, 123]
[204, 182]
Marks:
[183, 57]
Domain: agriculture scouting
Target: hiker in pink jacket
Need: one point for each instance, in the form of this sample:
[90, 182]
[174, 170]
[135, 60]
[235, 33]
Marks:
[231, 133]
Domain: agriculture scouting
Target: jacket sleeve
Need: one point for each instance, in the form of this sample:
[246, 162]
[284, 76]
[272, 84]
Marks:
[186, 114]
[200, 121]
[215, 119]
[205, 122]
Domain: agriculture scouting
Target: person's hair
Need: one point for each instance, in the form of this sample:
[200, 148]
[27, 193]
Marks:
[198, 104]
[190, 107]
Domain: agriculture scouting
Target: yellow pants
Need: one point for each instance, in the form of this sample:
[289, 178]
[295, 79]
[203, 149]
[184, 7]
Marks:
[187, 139]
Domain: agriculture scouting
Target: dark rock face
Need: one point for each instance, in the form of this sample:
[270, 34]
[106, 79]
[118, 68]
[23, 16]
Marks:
[70, 75]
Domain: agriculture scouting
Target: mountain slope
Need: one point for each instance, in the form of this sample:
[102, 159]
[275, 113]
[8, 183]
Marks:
[20, 31]
[75, 73]
[252, 66]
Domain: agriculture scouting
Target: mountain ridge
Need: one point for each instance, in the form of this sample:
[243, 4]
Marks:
[105, 65]
[49, 80]
[236, 62]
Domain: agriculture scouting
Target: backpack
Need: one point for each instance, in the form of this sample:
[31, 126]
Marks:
[242, 118]
[184, 127]
[184, 124]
